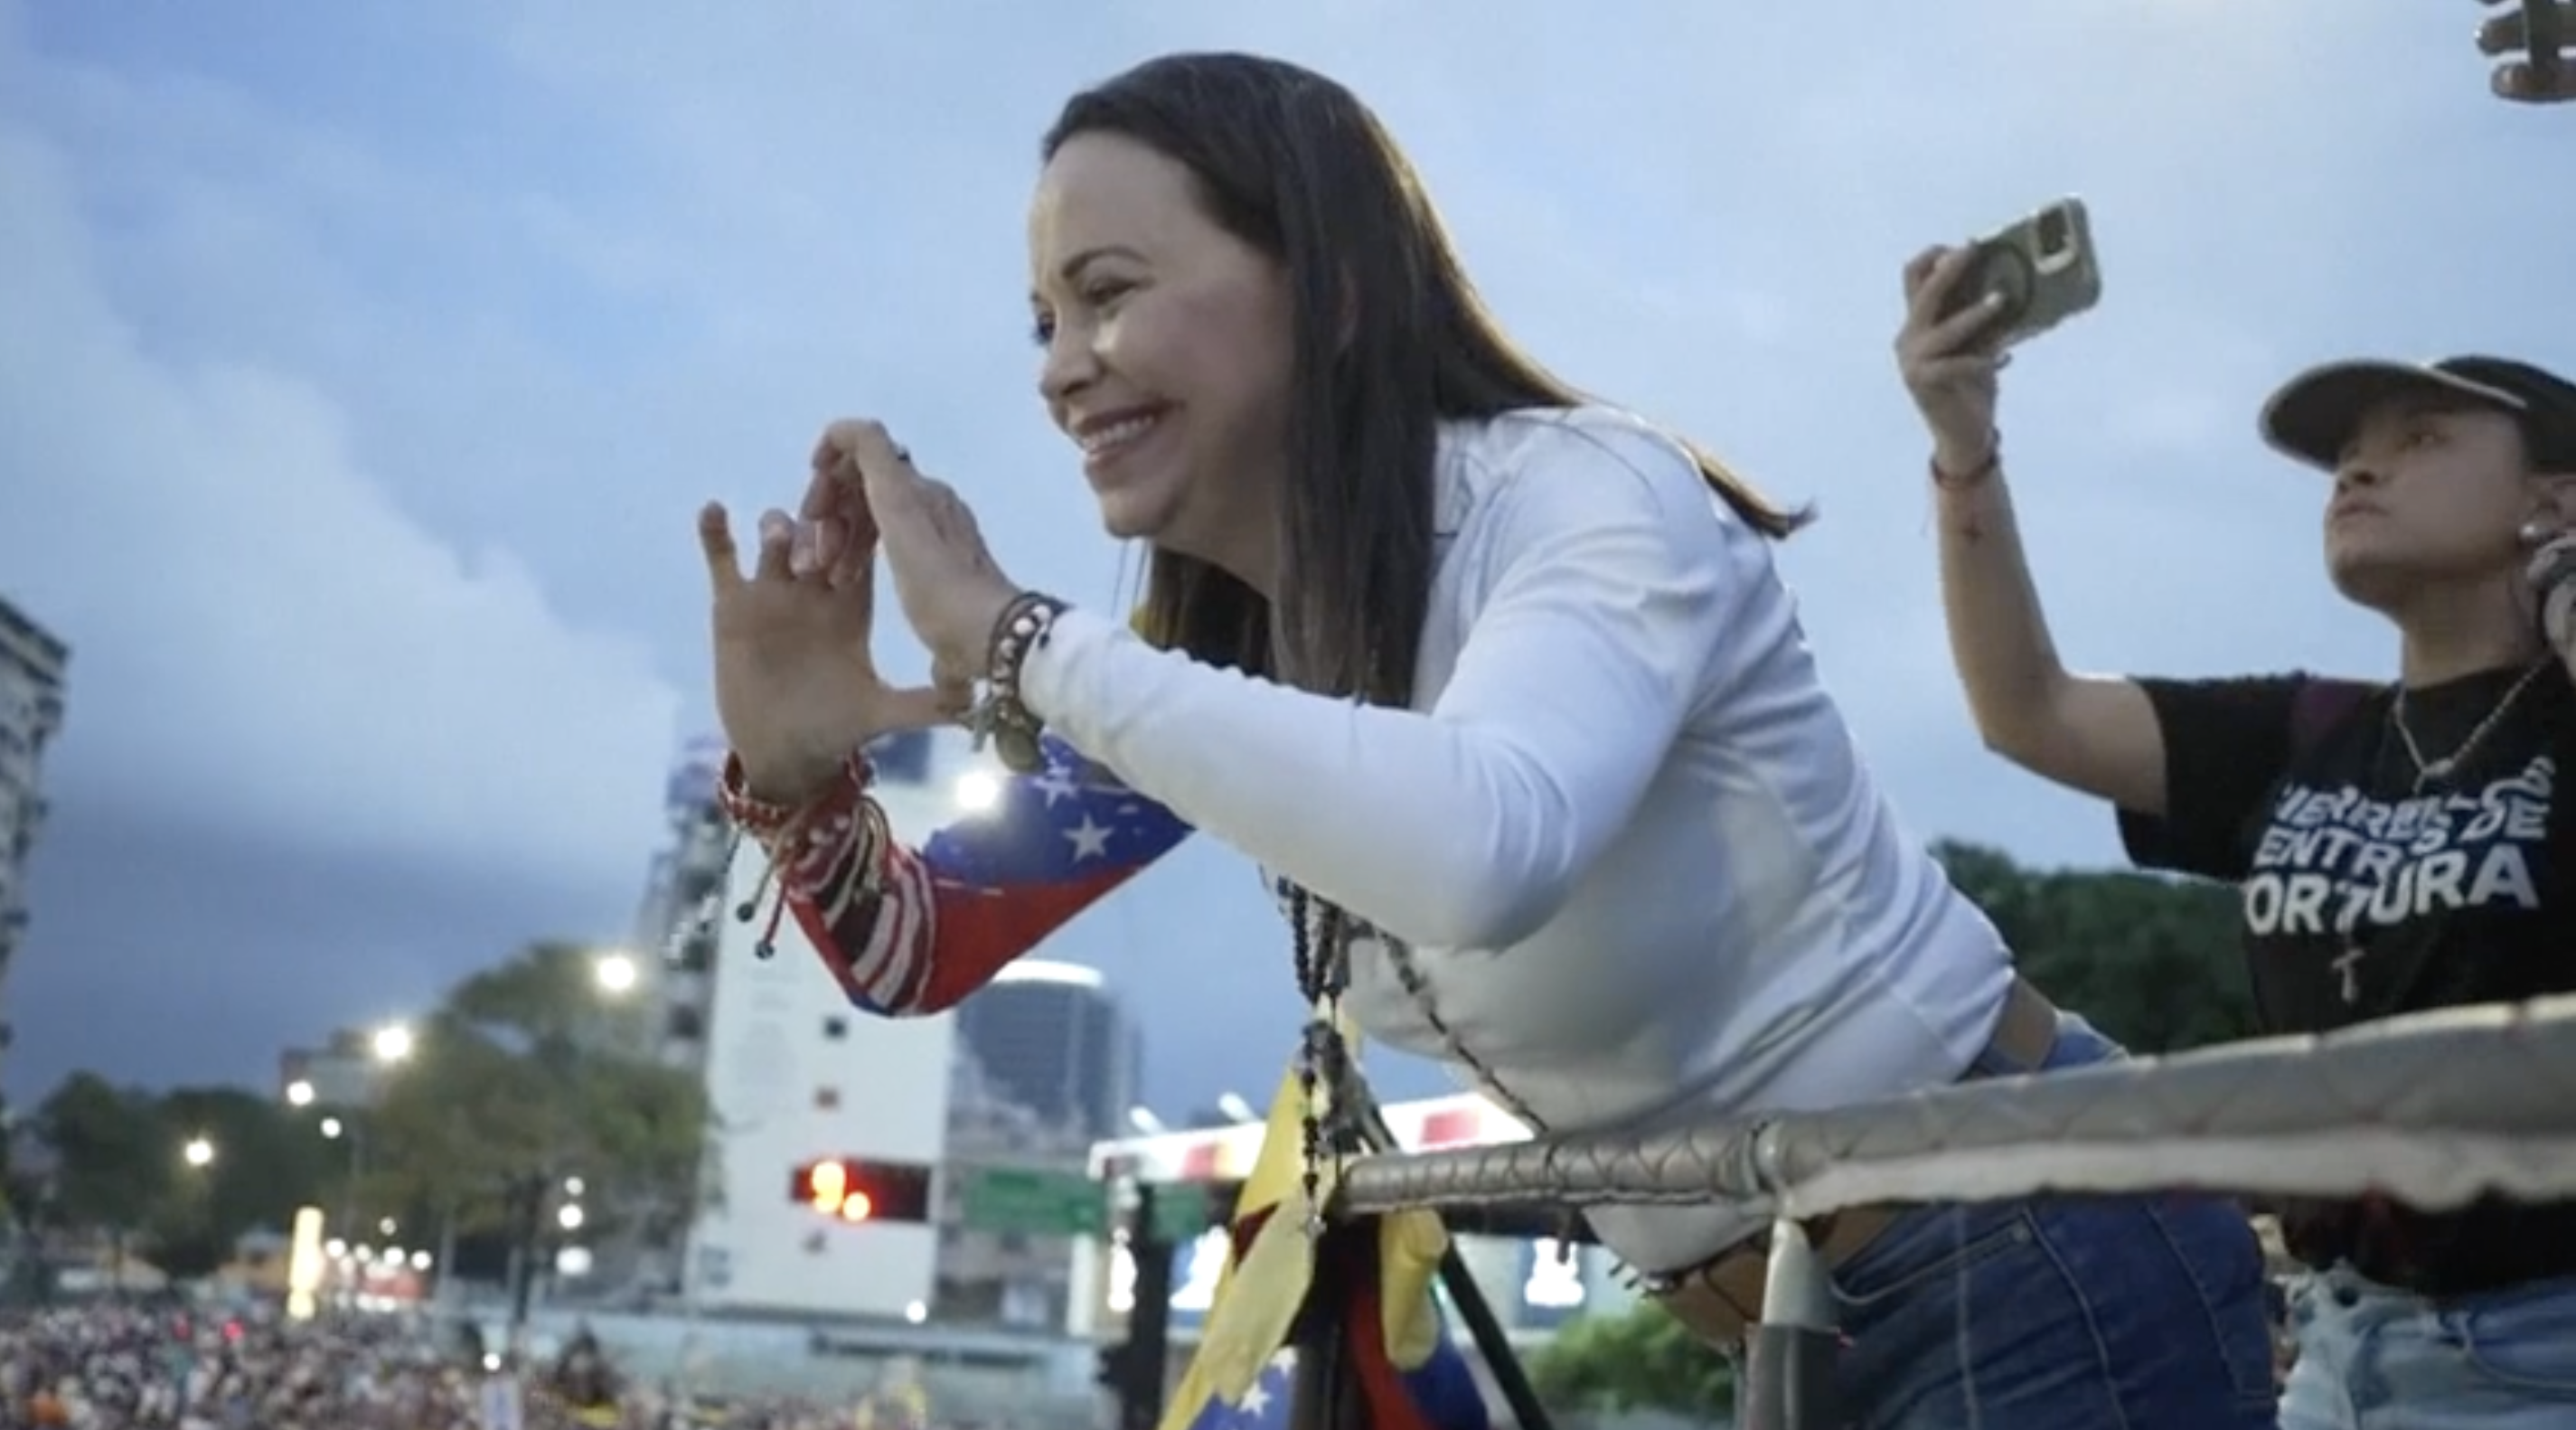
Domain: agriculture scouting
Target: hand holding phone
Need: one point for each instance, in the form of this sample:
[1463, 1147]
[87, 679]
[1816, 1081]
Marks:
[2034, 273]
[2535, 45]
[1966, 307]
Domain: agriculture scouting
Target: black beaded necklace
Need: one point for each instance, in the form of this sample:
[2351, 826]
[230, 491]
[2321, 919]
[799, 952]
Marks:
[1320, 936]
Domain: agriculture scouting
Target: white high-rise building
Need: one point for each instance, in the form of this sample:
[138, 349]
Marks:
[794, 1074]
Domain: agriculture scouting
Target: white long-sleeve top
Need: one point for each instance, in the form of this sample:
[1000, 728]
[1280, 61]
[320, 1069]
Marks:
[1624, 829]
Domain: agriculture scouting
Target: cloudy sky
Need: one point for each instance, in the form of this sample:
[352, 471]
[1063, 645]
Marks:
[361, 368]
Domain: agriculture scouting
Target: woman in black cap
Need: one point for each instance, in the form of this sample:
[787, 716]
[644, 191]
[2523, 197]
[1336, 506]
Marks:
[2400, 846]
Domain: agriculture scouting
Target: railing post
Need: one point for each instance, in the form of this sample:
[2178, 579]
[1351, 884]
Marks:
[1134, 1370]
[1366, 1125]
[1789, 1361]
[1323, 1394]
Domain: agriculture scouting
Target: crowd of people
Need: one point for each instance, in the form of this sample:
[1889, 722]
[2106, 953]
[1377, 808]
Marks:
[118, 1367]
[128, 1368]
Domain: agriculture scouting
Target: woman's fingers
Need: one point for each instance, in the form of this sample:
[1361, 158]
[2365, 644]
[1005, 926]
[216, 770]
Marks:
[1934, 288]
[1965, 368]
[896, 494]
[1955, 332]
[777, 545]
[715, 539]
[2522, 82]
[837, 500]
[915, 708]
[953, 682]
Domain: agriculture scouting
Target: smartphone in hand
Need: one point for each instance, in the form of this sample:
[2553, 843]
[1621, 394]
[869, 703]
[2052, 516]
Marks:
[2042, 269]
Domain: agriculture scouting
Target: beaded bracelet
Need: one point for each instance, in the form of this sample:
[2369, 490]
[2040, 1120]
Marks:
[1004, 719]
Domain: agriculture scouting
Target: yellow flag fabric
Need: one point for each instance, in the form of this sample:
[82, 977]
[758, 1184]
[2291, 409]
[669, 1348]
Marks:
[1271, 1269]
[1410, 1245]
[1262, 1285]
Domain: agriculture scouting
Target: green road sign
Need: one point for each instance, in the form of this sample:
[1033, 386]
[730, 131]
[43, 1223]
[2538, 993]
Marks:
[1180, 1211]
[1034, 1203]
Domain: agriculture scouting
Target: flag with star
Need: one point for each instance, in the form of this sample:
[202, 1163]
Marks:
[940, 922]
[1370, 1281]
[990, 886]
[1061, 836]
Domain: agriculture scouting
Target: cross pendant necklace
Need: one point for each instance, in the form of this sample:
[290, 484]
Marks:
[2347, 967]
[2432, 772]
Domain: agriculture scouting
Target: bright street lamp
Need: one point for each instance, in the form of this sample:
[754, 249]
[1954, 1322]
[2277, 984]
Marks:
[299, 1093]
[331, 1128]
[977, 791]
[615, 973]
[199, 1152]
[392, 1043]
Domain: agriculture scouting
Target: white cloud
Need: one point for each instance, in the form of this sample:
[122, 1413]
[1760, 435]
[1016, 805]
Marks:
[263, 636]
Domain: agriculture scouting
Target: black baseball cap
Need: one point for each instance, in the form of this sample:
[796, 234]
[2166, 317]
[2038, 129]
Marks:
[2314, 414]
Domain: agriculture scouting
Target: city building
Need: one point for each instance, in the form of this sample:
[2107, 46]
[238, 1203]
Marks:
[1051, 1038]
[687, 896]
[684, 908]
[32, 663]
[345, 1072]
[998, 1277]
[831, 1126]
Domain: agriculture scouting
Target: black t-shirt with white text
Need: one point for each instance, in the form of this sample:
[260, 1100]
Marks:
[2368, 892]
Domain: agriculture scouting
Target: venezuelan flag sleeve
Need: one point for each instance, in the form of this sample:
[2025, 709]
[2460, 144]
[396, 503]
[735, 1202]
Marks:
[986, 889]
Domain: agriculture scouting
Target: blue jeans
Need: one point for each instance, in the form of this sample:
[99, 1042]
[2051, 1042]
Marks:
[2060, 1313]
[2375, 1358]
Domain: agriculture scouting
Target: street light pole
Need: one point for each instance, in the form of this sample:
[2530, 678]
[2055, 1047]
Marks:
[348, 1128]
[357, 1175]
[527, 1242]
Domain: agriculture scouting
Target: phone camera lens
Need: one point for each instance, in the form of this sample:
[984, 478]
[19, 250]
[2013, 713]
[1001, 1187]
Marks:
[2055, 233]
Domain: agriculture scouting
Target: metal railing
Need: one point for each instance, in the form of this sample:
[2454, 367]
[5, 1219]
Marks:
[2432, 1110]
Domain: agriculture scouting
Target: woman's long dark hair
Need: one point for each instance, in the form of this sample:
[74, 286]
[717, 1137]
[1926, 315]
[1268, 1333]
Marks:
[1390, 340]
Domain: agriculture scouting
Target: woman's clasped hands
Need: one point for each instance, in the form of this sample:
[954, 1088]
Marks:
[797, 684]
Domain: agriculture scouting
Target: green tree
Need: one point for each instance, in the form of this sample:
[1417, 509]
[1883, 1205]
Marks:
[532, 1070]
[464, 1116]
[266, 1165]
[2154, 962]
[114, 1157]
[548, 1002]
[1639, 1360]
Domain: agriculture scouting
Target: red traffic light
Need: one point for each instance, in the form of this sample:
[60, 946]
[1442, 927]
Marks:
[854, 1189]
[828, 1190]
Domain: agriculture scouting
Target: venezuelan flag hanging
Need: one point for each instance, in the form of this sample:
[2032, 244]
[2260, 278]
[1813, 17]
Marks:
[1370, 1282]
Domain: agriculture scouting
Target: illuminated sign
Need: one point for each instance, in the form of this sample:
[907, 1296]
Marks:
[855, 1189]
[1197, 1266]
[1552, 1288]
